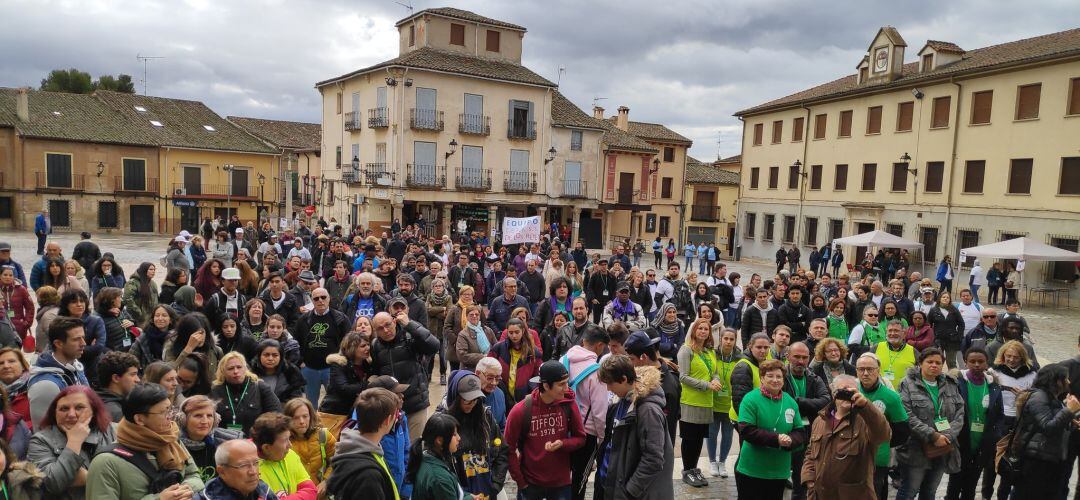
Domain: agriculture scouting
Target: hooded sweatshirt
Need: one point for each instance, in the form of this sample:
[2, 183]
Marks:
[592, 395]
[547, 423]
[47, 378]
[357, 472]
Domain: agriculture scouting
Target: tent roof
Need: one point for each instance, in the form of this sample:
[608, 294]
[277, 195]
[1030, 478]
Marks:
[879, 239]
[1021, 248]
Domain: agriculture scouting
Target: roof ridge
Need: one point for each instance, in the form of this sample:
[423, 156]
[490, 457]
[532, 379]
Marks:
[230, 117]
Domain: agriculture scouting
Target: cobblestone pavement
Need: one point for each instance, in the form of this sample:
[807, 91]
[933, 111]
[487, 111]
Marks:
[1053, 340]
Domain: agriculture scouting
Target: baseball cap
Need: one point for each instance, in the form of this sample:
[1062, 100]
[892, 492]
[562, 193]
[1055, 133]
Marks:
[230, 273]
[927, 290]
[239, 230]
[387, 382]
[622, 286]
[307, 277]
[639, 342]
[397, 301]
[180, 239]
[5, 246]
[185, 234]
[553, 371]
[602, 261]
[469, 388]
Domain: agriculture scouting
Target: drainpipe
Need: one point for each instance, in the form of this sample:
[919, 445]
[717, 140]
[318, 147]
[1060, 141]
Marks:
[952, 165]
[802, 180]
[682, 203]
[734, 243]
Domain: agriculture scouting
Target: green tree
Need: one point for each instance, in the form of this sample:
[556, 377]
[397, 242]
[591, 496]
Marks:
[68, 80]
[121, 83]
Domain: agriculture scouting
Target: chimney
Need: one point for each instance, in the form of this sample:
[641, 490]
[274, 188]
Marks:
[598, 112]
[22, 104]
[622, 122]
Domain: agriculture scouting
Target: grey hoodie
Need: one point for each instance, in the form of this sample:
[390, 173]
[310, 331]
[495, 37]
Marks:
[351, 441]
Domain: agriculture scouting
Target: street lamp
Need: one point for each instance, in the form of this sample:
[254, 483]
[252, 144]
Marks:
[228, 192]
[655, 166]
[100, 168]
[262, 212]
[550, 155]
[906, 159]
[453, 148]
[802, 193]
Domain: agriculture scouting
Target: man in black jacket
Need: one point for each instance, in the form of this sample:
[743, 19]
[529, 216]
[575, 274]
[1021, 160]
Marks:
[86, 253]
[319, 333]
[573, 332]
[359, 469]
[811, 394]
[227, 301]
[406, 287]
[398, 350]
[645, 351]
[461, 274]
[600, 289]
[280, 302]
[795, 315]
[760, 317]
[533, 281]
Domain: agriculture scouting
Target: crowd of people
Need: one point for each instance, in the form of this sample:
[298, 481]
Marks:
[300, 365]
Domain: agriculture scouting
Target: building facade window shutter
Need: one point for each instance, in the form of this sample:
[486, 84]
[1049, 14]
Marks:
[974, 170]
[869, 176]
[940, 118]
[873, 120]
[797, 129]
[492, 41]
[899, 177]
[840, 184]
[935, 171]
[927, 62]
[774, 177]
[669, 154]
[903, 116]
[1027, 101]
[777, 131]
[751, 221]
[457, 34]
[815, 177]
[793, 177]
[1074, 96]
[1020, 176]
[981, 104]
[1070, 176]
[755, 174]
[759, 129]
[819, 126]
[845, 123]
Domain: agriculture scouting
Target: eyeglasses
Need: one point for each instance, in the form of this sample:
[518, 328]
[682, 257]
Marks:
[867, 369]
[321, 297]
[248, 465]
[871, 315]
[988, 316]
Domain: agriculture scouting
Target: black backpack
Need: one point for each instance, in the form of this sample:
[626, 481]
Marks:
[682, 297]
[159, 479]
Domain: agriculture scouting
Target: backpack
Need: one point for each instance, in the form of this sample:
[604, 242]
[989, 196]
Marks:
[159, 479]
[322, 453]
[682, 298]
[1008, 458]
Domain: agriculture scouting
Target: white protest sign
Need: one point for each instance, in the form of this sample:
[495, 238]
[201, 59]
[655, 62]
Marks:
[521, 230]
[283, 223]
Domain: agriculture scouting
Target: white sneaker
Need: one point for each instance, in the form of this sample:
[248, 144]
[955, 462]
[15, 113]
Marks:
[714, 469]
[720, 470]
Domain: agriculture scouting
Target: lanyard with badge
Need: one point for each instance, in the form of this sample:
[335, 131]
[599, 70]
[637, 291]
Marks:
[724, 372]
[232, 408]
[940, 423]
[981, 394]
[889, 374]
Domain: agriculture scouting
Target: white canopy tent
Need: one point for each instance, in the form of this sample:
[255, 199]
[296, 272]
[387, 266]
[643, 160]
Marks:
[877, 239]
[1022, 249]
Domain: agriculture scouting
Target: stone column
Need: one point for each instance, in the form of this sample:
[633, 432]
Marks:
[446, 225]
[493, 222]
[542, 212]
[575, 225]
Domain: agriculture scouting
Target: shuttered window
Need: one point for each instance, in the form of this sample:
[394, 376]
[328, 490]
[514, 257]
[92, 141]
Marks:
[777, 131]
[457, 34]
[755, 175]
[797, 129]
[815, 177]
[873, 120]
[935, 171]
[770, 227]
[793, 177]
[974, 171]
[108, 215]
[981, 103]
[819, 126]
[940, 118]
[751, 221]
[903, 116]
[840, 183]
[492, 41]
[1074, 96]
[927, 62]
[1020, 176]
[669, 154]
[774, 177]
[759, 130]
[1070, 176]
[1027, 101]
[845, 123]
[899, 177]
[869, 176]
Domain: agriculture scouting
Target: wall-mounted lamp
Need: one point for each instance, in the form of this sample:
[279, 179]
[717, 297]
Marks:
[408, 82]
[655, 166]
[906, 158]
[100, 168]
[262, 179]
[356, 163]
[550, 155]
[917, 93]
[453, 148]
[391, 81]
[798, 168]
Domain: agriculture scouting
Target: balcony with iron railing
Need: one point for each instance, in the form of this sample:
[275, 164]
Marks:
[521, 129]
[378, 118]
[474, 124]
[627, 196]
[425, 176]
[472, 179]
[705, 213]
[135, 185]
[352, 120]
[426, 119]
[519, 181]
[350, 175]
[575, 188]
[73, 182]
[215, 191]
[379, 174]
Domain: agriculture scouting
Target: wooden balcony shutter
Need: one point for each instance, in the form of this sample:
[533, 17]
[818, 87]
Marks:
[819, 126]
[1074, 97]
[981, 103]
[800, 123]
[903, 116]
[755, 174]
[457, 34]
[1070, 176]
[815, 177]
[1027, 101]
[1020, 176]
[845, 123]
[869, 176]
[759, 130]
[940, 117]
[935, 170]
[774, 177]
[873, 120]
[974, 170]
[840, 184]
[777, 131]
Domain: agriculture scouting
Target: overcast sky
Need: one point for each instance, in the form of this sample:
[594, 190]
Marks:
[686, 64]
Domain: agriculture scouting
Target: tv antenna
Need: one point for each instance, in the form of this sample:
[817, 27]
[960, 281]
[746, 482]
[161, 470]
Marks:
[562, 69]
[596, 100]
[719, 141]
[146, 68]
[407, 5]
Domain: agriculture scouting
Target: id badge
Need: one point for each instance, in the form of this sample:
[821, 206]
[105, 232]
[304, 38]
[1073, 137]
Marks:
[889, 376]
[941, 424]
[977, 427]
[805, 422]
[605, 292]
[237, 427]
[127, 341]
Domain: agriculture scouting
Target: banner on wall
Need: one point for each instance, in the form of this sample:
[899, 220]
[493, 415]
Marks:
[521, 230]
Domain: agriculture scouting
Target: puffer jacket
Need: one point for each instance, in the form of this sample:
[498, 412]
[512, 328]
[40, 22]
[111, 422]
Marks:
[315, 452]
[345, 383]
[642, 456]
[131, 304]
[920, 408]
[401, 358]
[1044, 427]
[948, 329]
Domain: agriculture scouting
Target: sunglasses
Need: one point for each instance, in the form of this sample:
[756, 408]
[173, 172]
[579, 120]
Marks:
[321, 297]
[871, 315]
[988, 316]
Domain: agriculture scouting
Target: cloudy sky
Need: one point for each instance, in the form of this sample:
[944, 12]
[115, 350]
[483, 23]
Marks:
[686, 63]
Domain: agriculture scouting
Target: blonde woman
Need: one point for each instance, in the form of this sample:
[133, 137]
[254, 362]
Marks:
[1013, 370]
[456, 321]
[576, 279]
[700, 378]
[75, 270]
[241, 396]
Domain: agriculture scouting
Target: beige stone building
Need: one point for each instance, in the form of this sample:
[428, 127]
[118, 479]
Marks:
[712, 192]
[950, 147]
[456, 128]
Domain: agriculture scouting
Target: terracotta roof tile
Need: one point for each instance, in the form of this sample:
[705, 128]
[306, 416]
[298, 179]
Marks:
[566, 114]
[616, 138]
[283, 134]
[463, 15]
[944, 46]
[71, 117]
[1051, 46]
[704, 173]
[453, 62]
[656, 132]
[730, 159]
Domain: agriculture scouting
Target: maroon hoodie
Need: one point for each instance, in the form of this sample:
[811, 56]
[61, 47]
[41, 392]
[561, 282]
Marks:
[550, 470]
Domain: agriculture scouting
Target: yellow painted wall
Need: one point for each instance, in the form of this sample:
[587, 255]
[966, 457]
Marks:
[211, 162]
[434, 31]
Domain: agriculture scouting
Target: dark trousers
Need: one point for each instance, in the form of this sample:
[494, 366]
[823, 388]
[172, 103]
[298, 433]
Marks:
[993, 297]
[1041, 480]
[798, 490]
[693, 435]
[598, 487]
[597, 312]
[752, 488]
[541, 493]
[579, 461]
[881, 482]
[41, 243]
[658, 258]
[962, 484]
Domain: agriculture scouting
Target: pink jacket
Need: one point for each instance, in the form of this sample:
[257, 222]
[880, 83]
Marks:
[591, 393]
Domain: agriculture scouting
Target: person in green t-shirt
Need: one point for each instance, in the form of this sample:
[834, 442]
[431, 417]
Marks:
[770, 427]
[984, 425]
[868, 369]
[279, 466]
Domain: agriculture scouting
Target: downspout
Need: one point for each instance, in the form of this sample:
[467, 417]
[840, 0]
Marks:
[952, 165]
[735, 242]
[682, 203]
[802, 180]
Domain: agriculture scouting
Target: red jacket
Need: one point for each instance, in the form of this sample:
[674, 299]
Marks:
[18, 300]
[526, 369]
[921, 339]
[548, 423]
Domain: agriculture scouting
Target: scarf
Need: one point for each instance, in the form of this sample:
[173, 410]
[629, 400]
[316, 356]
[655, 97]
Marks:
[464, 320]
[621, 311]
[1019, 372]
[166, 447]
[439, 300]
[482, 340]
[668, 329]
[975, 379]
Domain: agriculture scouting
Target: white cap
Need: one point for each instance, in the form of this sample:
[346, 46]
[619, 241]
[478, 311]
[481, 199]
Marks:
[180, 239]
[230, 273]
[239, 230]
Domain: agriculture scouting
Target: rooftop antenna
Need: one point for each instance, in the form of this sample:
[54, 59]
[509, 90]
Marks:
[719, 141]
[562, 69]
[146, 68]
[596, 100]
[407, 5]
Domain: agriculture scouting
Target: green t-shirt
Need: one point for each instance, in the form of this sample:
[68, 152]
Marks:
[780, 417]
[284, 476]
[888, 401]
[978, 399]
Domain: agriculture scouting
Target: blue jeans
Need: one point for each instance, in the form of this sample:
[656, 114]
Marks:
[975, 292]
[689, 264]
[721, 425]
[702, 264]
[313, 381]
[637, 261]
[921, 482]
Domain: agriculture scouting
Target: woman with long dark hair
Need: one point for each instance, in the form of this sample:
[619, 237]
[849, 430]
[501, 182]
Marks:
[15, 302]
[208, 278]
[106, 272]
[269, 363]
[140, 292]
[76, 427]
[109, 307]
[174, 279]
[518, 346]
[233, 338]
[192, 335]
[1042, 434]
[431, 461]
[56, 277]
[481, 457]
[149, 347]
